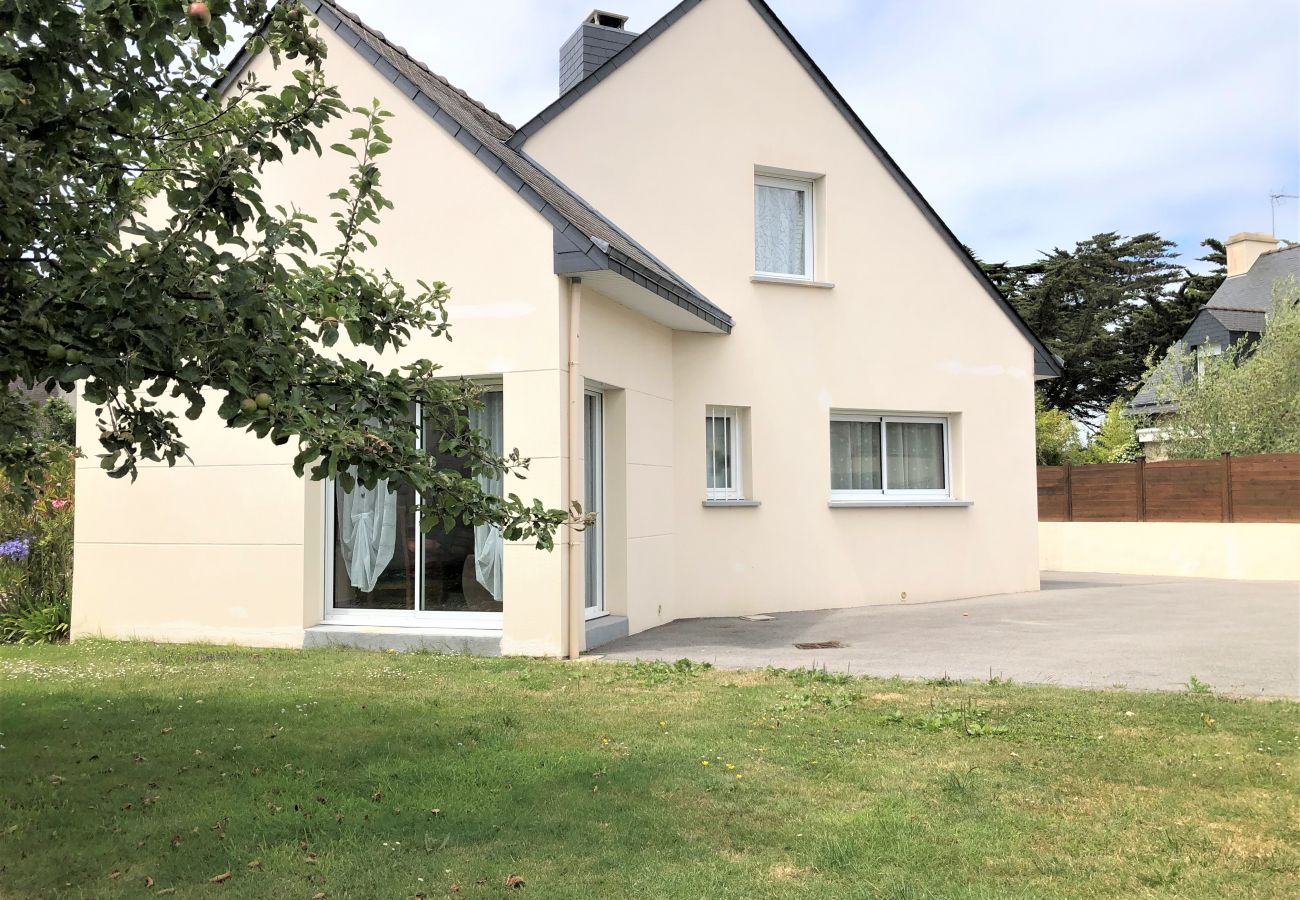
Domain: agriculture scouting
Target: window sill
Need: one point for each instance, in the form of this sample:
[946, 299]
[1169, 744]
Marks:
[723, 504]
[868, 504]
[790, 279]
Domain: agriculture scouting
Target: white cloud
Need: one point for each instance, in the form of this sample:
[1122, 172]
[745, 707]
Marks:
[1027, 123]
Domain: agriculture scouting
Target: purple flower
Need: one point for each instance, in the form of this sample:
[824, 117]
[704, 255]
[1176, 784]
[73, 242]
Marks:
[15, 548]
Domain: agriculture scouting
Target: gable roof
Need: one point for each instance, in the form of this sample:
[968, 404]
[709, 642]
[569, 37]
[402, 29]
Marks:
[585, 241]
[1241, 304]
[1046, 365]
[1252, 291]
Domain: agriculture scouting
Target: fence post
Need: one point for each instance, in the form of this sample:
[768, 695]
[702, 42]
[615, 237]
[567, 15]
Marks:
[1227, 487]
[1141, 489]
[1069, 494]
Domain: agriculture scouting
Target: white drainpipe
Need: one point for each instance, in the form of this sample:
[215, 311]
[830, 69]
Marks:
[575, 620]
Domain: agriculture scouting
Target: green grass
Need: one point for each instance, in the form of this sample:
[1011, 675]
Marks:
[362, 775]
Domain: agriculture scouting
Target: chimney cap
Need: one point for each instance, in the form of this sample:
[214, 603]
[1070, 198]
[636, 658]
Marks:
[606, 19]
[1251, 236]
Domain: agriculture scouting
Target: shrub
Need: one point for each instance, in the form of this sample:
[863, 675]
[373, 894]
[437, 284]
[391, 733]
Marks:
[36, 559]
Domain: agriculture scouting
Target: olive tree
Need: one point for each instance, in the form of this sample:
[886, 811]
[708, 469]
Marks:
[139, 259]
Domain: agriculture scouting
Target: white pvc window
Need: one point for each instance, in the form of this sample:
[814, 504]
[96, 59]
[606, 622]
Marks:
[783, 226]
[722, 454]
[889, 457]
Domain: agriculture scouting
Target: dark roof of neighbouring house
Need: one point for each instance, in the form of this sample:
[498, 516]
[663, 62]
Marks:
[584, 239]
[1253, 290]
[1046, 364]
[1241, 305]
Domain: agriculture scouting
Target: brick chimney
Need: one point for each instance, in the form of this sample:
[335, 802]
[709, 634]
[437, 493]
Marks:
[1246, 247]
[599, 37]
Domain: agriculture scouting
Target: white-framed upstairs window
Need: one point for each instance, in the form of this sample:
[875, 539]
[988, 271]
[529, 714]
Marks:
[723, 475]
[783, 226]
[886, 457]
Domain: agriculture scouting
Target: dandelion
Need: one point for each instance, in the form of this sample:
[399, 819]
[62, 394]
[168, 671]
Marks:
[739, 776]
[731, 765]
[704, 762]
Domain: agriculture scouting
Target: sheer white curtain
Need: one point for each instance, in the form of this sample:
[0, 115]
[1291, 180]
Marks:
[779, 230]
[855, 456]
[489, 546]
[367, 531]
[915, 456]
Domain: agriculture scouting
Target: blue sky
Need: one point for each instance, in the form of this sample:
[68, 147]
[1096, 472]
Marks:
[1027, 123]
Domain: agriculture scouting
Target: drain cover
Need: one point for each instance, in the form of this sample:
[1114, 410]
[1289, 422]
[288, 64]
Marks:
[819, 645]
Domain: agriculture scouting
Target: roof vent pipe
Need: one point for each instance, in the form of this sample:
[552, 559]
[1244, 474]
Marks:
[600, 36]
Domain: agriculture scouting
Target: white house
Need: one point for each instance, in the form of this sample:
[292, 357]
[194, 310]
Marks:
[708, 305]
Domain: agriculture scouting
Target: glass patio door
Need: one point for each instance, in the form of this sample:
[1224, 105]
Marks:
[594, 501]
[386, 570]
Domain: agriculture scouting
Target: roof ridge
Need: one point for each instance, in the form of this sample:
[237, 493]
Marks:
[355, 20]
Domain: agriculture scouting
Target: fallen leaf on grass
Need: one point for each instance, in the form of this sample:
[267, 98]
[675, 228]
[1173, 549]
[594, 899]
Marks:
[115, 874]
[165, 891]
[319, 895]
[455, 889]
[218, 879]
[176, 840]
[166, 731]
[56, 779]
[255, 864]
[514, 881]
[148, 882]
[377, 796]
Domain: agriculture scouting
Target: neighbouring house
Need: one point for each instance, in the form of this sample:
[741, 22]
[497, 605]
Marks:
[1237, 314]
[705, 302]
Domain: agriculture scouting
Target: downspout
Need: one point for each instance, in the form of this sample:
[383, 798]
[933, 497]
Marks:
[575, 619]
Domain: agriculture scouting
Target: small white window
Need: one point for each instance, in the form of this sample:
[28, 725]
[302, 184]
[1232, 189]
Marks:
[888, 457]
[722, 454]
[783, 226]
[1204, 353]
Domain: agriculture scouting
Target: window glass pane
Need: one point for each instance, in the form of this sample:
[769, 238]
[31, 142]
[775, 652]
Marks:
[374, 548]
[718, 450]
[915, 456]
[462, 564]
[779, 231]
[855, 456]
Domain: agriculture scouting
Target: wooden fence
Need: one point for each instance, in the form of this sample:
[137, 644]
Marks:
[1229, 489]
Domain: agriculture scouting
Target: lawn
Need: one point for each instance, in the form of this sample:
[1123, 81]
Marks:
[133, 770]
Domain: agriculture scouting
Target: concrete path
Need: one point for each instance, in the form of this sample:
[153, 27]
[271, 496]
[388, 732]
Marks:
[1143, 633]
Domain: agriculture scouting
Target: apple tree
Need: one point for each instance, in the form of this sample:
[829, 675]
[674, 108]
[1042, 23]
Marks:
[139, 260]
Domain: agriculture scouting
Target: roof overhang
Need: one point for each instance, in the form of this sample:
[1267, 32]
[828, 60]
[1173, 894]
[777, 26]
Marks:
[630, 284]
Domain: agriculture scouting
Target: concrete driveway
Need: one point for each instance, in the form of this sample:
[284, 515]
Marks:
[1144, 633]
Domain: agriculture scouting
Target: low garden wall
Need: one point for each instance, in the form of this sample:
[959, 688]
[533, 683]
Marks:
[1256, 551]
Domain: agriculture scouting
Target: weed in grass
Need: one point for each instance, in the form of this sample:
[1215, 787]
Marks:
[1194, 685]
[943, 681]
[657, 671]
[809, 676]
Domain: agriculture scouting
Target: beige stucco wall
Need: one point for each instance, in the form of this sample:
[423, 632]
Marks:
[906, 328]
[1254, 551]
[230, 548]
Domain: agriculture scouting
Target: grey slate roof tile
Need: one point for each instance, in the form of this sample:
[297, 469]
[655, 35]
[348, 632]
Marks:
[1240, 304]
[483, 131]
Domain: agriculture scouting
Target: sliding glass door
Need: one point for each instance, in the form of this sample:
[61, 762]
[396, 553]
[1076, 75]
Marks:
[594, 501]
[384, 569]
